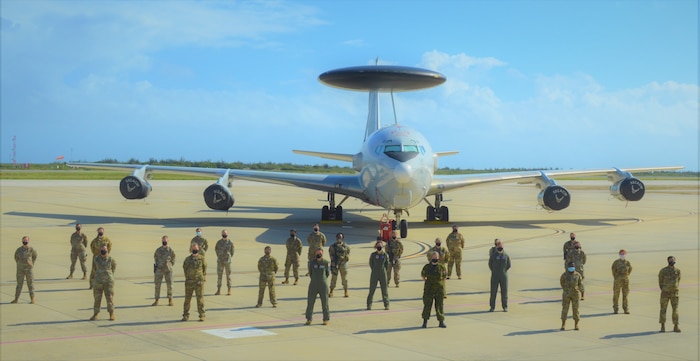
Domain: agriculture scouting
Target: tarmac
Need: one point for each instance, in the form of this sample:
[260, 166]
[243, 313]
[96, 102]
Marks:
[664, 223]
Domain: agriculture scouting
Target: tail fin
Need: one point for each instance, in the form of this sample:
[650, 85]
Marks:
[373, 113]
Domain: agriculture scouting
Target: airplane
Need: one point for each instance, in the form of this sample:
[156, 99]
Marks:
[395, 167]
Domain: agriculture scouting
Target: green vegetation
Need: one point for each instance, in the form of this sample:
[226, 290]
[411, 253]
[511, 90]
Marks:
[62, 171]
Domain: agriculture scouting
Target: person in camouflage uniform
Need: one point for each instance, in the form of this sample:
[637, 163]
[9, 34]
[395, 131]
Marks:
[224, 252]
[25, 256]
[195, 267]
[267, 265]
[433, 275]
[78, 246]
[669, 278]
[316, 239]
[578, 257]
[395, 250]
[340, 255]
[95, 246]
[378, 262]
[455, 244]
[163, 262]
[499, 264]
[570, 282]
[444, 256]
[621, 269]
[318, 272]
[569, 246]
[103, 283]
[294, 248]
[201, 242]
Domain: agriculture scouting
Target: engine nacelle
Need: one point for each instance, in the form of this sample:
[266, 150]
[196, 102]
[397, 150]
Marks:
[218, 197]
[628, 189]
[554, 198]
[133, 187]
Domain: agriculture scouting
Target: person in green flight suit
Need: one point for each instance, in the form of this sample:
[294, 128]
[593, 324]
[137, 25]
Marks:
[319, 270]
[378, 262]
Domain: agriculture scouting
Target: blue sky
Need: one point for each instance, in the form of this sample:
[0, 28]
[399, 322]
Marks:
[564, 84]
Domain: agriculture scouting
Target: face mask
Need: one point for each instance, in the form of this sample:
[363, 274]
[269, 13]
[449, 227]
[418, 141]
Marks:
[315, 229]
[103, 251]
[195, 251]
[434, 260]
[292, 235]
[379, 248]
[319, 256]
[671, 263]
[577, 247]
[199, 234]
[224, 235]
[100, 234]
[454, 231]
[438, 244]
[393, 237]
[622, 256]
[77, 229]
[25, 243]
[165, 243]
[571, 269]
[499, 249]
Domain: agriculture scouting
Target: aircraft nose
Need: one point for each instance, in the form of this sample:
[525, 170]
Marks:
[403, 173]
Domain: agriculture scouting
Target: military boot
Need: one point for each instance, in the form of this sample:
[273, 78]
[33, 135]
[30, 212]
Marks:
[576, 325]
[32, 300]
[346, 293]
[14, 301]
[676, 328]
[286, 281]
[84, 276]
[442, 324]
[663, 327]
[111, 316]
[218, 291]
[563, 324]
[94, 317]
[425, 324]
[581, 296]
[16, 297]
[70, 276]
[296, 281]
[330, 294]
[185, 317]
[170, 301]
[229, 292]
[155, 303]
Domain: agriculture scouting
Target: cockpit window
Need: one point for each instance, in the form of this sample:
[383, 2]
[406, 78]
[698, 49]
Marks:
[401, 153]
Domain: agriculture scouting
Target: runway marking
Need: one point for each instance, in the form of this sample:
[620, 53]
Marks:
[249, 325]
[239, 332]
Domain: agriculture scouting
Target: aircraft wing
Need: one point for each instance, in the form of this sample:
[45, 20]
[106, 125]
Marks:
[342, 184]
[443, 183]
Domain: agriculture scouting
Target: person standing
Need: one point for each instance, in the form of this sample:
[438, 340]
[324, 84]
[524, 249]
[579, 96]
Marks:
[669, 279]
[570, 282]
[444, 256]
[621, 269]
[105, 266]
[569, 246]
[433, 275]
[316, 239]
[378, 263]
[455, 244]
[318, 272]
[224, 252]
[78, 247]
[492, 251]
[395, 250]
[294, 248]
[267, 265]
[499, 264]
[95, 246]
[340, 255]
[201, 242]
[578, 257]
[195, 267]
[25, 257]
[163, 262]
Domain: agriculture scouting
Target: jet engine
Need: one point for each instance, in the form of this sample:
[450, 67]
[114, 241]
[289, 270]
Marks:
[554, 198]
[628, 189]
[218, 197]
[133, 187]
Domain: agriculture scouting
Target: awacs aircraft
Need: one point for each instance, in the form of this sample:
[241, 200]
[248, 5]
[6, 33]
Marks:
[395, 166]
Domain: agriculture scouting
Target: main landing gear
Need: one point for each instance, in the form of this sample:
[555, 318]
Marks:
[332, 212]
[437, 212]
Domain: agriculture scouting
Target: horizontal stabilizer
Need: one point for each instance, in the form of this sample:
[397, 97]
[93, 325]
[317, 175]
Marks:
[334, 156]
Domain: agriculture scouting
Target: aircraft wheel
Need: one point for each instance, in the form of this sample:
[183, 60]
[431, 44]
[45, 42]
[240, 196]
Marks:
[404, 228]
[325, 212]
[430, 214]
[444, 214]
[338, 213]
